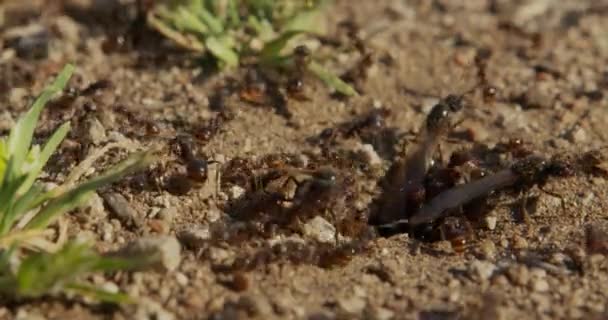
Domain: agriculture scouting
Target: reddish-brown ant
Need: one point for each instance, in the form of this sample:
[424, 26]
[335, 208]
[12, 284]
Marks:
[456, 230]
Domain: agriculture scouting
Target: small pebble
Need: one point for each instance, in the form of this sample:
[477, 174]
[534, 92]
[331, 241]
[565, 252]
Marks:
[352, 305]
[121, 209]
[519, 242]
[320, 230]
[96, 133]
[490, 222]
[181, 279]
[577, 135]
[15, 97]
[166, 251]
[107, 232]
[482, 270]
[194, 237]
[518, 274]
[539, 285]
[487, 249]
[93, 211]
[167, 214]
[235, 192]
[537, 97]
[158, 226]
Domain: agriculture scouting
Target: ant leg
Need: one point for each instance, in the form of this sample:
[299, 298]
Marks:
[524, 211]
[218, 180]
[440, 152]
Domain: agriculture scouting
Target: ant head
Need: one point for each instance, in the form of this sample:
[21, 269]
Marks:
[560, 166]
[437, 119]
[453, 102]
[531, 169]
[301, 51]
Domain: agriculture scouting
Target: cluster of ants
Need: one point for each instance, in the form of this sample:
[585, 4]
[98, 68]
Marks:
[425, 197]
[422, 196]
[434, 201]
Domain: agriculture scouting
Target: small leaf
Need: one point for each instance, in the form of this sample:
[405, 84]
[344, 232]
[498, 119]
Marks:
[263, 28]
[188, 42]
[233, 13]
[44, 156]
[272, 50]
[188, 21]
[307, 21]
[215, 25]
[21, 205]
[331, 80]
[222, 52]
[21, 135]
[73, 198]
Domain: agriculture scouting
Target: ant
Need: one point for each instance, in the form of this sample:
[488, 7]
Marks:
[522, 176]
[373, 120]
[196, 168]
[406, 185]
[482, 57]
[287, 195]
[456, 230]
[261, 90]
[295, 84]
[178, 183]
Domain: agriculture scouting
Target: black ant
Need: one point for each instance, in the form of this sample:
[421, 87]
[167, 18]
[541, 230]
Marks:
[522, 176]
[406, 183]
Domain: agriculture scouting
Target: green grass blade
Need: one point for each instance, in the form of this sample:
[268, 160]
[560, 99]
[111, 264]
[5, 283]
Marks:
[215, 25]
[3, 159]
[22, 204]
[108, 264]
[46, 273]
[48, 149]
[71, 199]
[331, 80]
[21, 135]
[233, 13]
[224, 53]
[307, 21]
[160, 25]
[262, 27]
[188, 21]
[272, 49]
[7, 196]
[64, 203]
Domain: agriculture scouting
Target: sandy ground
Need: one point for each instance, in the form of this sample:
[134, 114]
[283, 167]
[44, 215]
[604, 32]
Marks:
[548, 63]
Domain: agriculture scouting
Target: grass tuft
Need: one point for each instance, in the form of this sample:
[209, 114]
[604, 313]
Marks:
[27, 209]
[254, 30]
